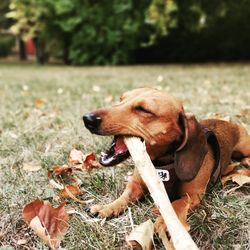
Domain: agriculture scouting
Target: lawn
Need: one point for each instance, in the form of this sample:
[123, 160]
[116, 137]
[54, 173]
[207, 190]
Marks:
[41, 121]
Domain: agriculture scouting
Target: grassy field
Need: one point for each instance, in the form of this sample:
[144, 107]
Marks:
[41, 112]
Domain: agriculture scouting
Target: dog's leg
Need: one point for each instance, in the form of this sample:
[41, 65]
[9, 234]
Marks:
[133, 192]
[242, 148]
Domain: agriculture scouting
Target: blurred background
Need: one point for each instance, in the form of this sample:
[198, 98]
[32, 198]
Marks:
[113, 32]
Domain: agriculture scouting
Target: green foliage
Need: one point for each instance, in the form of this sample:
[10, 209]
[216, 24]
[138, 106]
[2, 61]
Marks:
[4, 7]
[127, 31]
[200, 30]
[6, 44]
[109, 32]
[26, 15]
[83, 31]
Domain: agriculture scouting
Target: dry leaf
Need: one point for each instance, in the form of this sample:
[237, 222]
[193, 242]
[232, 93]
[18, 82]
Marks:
[85, 161]
[49, 223]
[90, 162]
[240, 176]
[60, 170]
[73, 190]
[75, 157]
[39, 103]
[22, 242]
[141, 237]
[70, 195]
[30, 167]
[77, 161]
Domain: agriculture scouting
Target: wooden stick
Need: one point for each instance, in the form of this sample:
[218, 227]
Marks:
[180, 237]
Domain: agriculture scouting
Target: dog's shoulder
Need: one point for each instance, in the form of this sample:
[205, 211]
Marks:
[227, 133]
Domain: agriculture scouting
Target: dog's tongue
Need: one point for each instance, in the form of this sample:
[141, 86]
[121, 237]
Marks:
[120, 146]
[116, 153]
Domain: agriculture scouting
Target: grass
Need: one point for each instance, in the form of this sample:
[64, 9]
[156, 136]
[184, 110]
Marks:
[40, 122]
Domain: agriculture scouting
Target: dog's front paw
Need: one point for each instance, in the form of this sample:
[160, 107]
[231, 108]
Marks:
[107, 211]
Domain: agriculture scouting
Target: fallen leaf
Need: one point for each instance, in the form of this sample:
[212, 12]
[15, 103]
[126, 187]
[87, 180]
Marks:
[77, 161]
[49, 223]
[141, 236]
[90, 162]
[70, 195]
[60, 170]
[31, 167]
[84, 161]
[76, 157]
[73, 190]
[21, 242]
[240, 176]
[39, 103]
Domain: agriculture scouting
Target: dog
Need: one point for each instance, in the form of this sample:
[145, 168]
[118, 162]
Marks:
[188, 153]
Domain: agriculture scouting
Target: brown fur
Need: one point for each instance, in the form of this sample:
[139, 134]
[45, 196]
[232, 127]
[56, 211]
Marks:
[161, 127]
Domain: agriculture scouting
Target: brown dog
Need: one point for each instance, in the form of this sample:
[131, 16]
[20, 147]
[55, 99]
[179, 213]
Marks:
[193, 153]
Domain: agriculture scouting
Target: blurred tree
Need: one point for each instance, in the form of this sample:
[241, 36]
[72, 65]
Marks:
[27, 24]
[127, 31]
[110, 31]
[197, 30]
[4, 22]
[83, 31]
[6, 40]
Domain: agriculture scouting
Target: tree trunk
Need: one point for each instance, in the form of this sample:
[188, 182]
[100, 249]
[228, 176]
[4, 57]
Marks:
[22, 49]
[66, 50]
[40, 50]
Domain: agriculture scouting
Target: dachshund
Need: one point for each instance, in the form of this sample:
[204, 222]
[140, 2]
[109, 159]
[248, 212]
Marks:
[187, 154]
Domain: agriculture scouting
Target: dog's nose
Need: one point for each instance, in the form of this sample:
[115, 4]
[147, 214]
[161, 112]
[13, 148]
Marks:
[91, 121]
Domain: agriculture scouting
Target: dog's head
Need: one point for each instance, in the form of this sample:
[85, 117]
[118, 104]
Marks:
[159, 120]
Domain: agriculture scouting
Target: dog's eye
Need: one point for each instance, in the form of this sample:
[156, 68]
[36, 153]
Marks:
[142, 109]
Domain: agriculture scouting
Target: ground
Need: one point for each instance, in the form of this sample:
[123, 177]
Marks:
[41, 110]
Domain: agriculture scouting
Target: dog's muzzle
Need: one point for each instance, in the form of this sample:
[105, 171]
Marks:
[92, 121]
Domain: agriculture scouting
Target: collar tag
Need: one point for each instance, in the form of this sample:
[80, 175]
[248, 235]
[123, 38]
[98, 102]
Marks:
[163, 174]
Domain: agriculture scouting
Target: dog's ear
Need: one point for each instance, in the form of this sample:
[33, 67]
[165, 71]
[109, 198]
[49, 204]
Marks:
[190, 154]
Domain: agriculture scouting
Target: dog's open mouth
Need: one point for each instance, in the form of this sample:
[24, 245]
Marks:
[116, 153]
